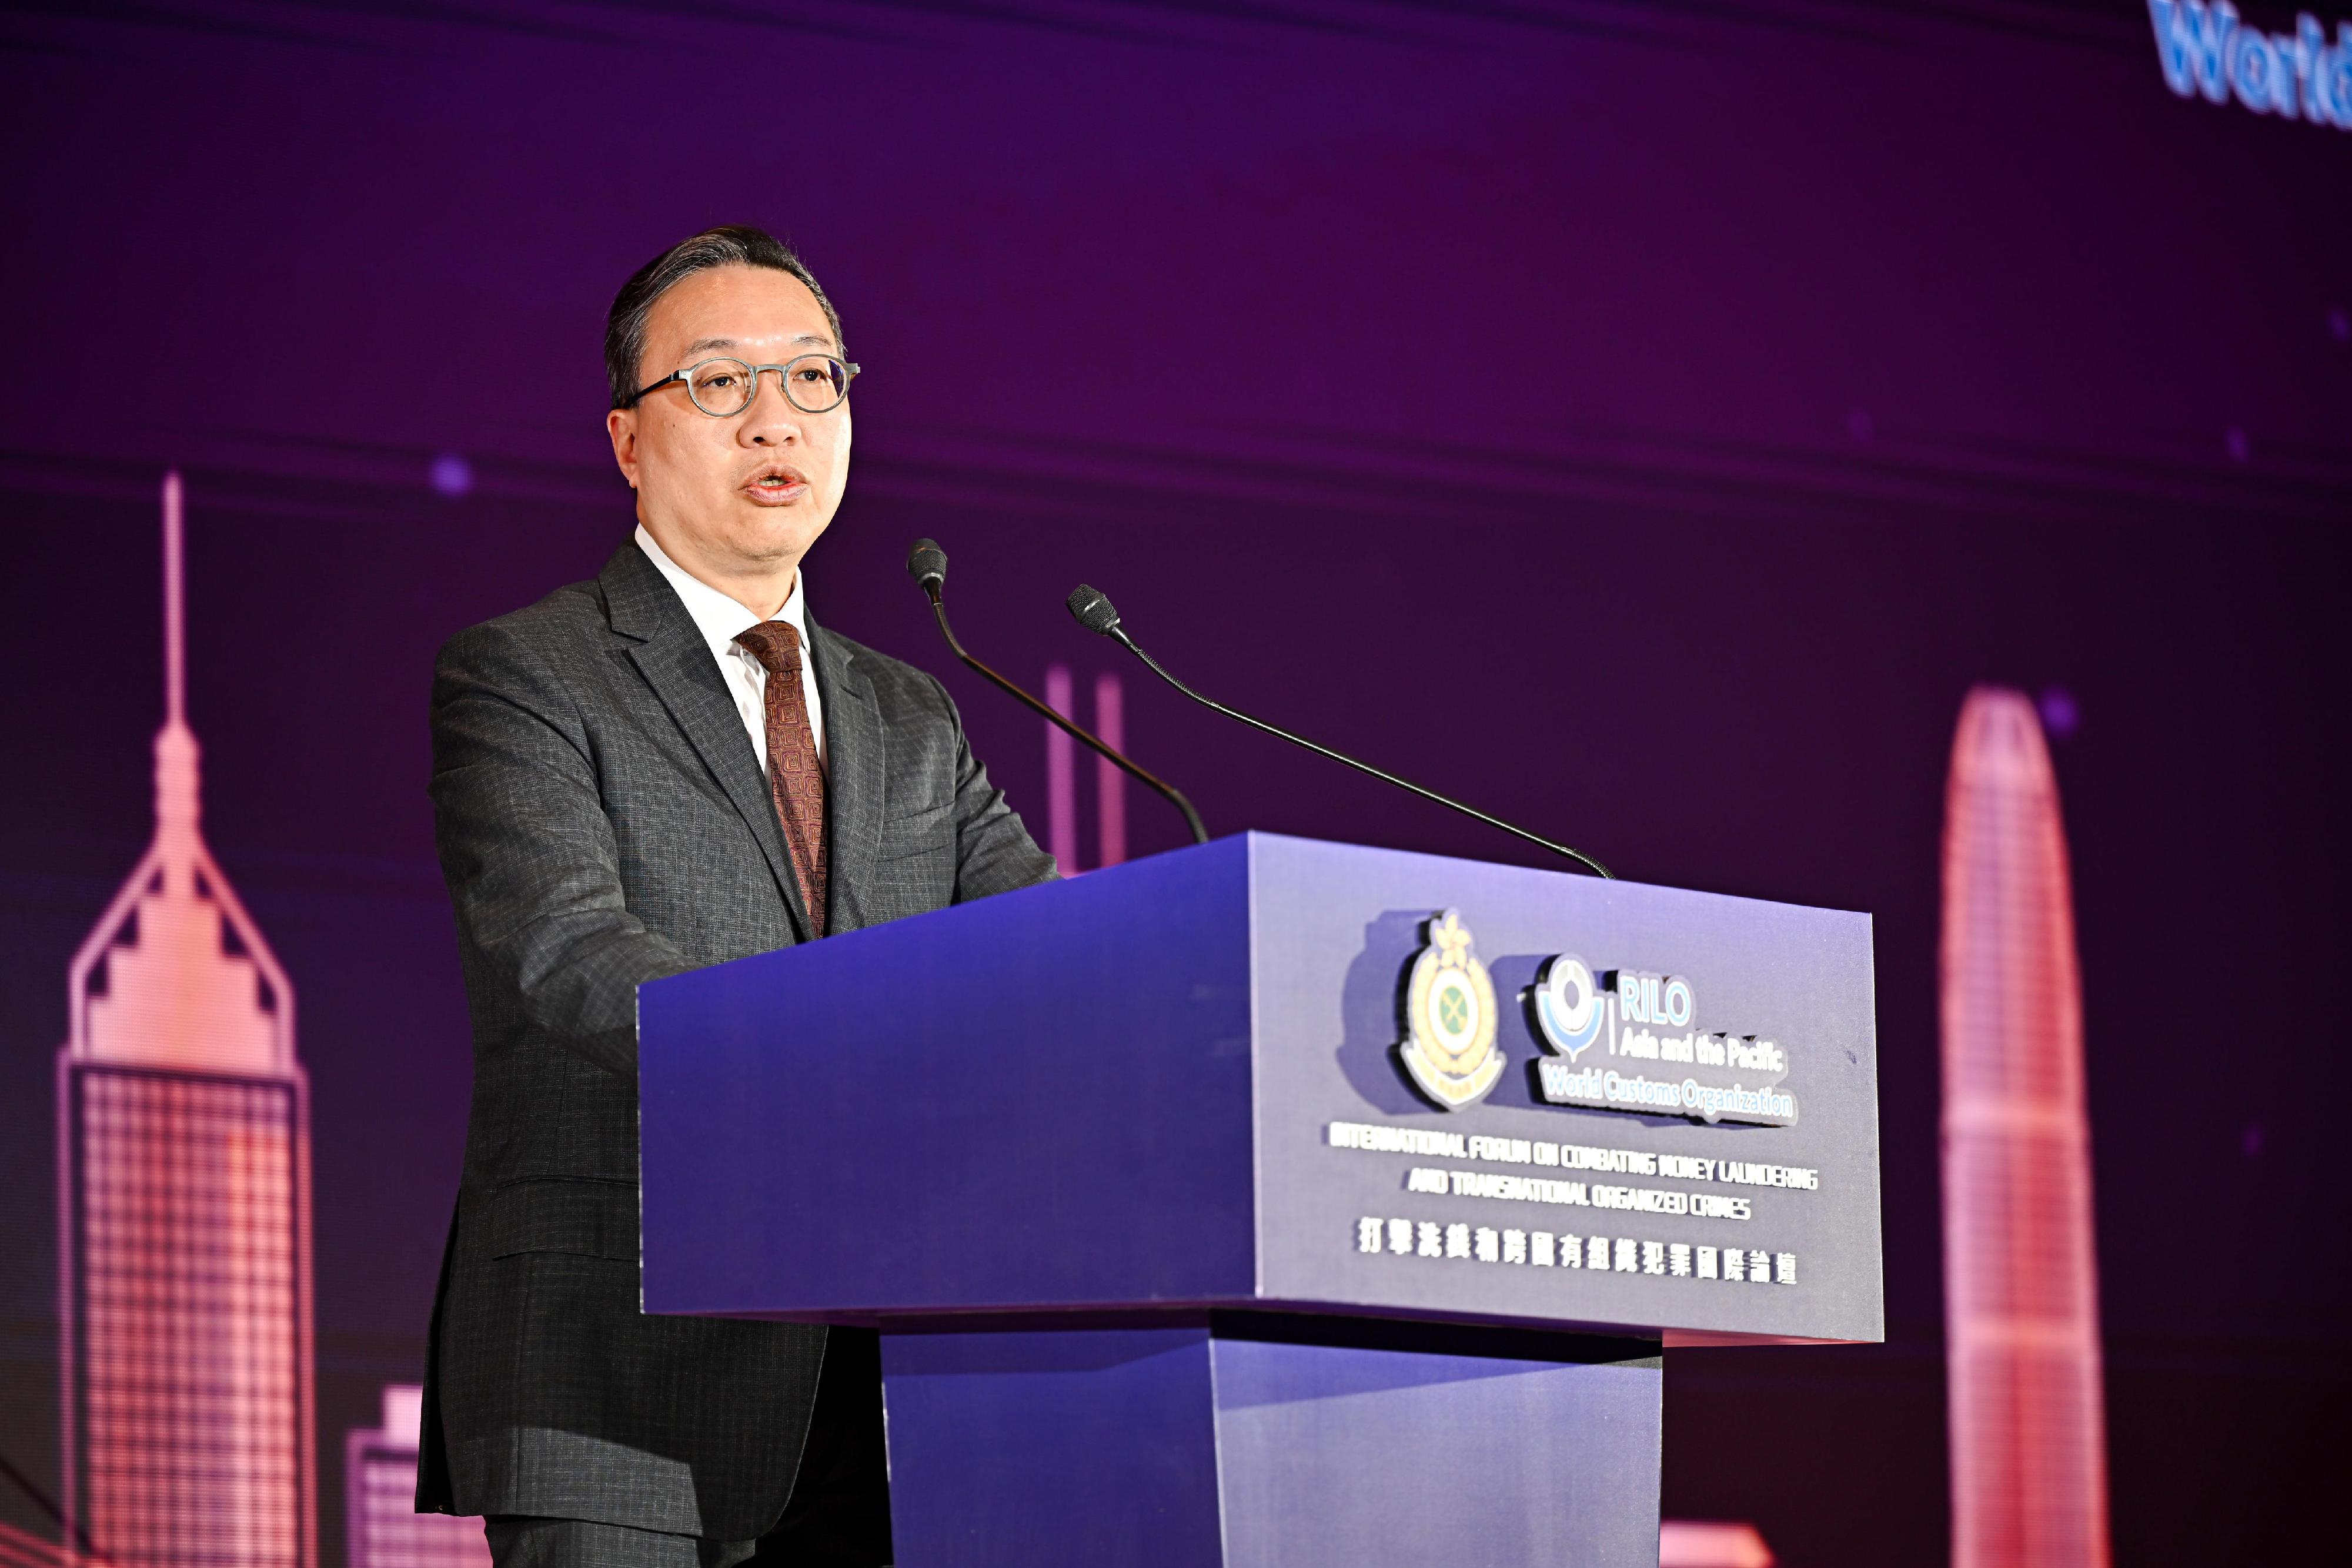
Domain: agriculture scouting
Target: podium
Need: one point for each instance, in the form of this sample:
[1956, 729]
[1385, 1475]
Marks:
[1274, 1202]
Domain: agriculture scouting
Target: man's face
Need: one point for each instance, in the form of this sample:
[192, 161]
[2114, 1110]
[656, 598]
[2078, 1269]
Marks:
[745, 495]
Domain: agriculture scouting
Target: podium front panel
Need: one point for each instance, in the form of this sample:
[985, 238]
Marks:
[1272, 1072]
[1513, 1192]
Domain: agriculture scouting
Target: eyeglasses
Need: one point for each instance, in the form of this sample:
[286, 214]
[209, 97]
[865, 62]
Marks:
[814, 384]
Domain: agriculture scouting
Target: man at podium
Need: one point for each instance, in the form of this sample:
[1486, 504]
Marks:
[667, 767]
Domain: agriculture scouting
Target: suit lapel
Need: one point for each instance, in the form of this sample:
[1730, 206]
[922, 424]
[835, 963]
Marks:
[855, 763]
[676, 663]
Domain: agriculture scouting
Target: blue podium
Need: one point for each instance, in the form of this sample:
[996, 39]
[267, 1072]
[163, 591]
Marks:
[1274, 1202]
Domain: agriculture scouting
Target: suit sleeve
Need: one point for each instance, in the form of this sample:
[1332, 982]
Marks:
[994, 852]
[529, 853]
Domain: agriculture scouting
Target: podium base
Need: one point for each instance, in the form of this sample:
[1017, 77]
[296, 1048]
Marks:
[1263, 1440]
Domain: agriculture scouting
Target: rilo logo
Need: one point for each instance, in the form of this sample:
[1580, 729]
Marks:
[1449, 1018]
[1649, 1018]
[2206, 49]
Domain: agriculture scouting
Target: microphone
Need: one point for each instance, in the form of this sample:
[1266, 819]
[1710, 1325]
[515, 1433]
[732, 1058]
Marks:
[1093, 610]
[926, 563]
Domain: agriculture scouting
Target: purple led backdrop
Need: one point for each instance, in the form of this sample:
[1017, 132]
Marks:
[1645, 421]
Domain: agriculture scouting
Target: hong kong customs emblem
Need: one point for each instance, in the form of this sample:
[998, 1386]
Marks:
[1449, 1018]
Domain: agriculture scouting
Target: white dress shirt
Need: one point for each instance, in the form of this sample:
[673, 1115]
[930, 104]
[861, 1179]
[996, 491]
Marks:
[719, 619]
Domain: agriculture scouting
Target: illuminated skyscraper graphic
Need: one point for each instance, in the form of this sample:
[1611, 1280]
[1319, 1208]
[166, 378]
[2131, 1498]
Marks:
[1062, 774]
[380, 1497]
[2029, 1446]
[184, 1155]
[19, 1550]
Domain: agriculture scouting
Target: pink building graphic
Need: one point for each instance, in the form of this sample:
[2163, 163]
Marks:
[1062, 774]
[20, 1550]
[2029, 1447]
[380, 1497]
[184, 1155]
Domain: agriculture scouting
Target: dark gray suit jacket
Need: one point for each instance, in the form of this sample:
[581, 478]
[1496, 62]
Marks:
[602, 821]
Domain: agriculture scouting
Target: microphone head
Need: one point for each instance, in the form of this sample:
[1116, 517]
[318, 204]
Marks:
[1091, 606]
[926, 563]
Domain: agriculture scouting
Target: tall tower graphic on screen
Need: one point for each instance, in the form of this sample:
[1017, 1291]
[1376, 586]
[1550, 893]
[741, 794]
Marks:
[2029, 1447]
[185, 1204]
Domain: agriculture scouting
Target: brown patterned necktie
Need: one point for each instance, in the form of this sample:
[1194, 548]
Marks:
[794, 777]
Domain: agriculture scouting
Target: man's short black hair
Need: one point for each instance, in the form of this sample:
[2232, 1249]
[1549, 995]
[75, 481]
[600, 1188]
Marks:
[732, 245]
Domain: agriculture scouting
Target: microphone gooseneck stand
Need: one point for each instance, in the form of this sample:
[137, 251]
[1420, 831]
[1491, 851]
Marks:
[926, 563]
[1092, 609]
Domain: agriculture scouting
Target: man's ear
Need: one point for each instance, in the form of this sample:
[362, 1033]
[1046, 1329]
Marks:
[621, 425]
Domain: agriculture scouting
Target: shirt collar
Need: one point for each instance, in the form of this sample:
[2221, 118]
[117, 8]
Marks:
[716, 616]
